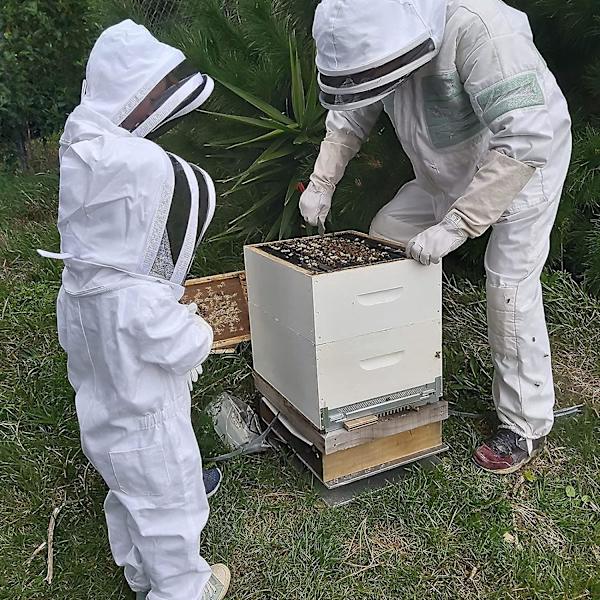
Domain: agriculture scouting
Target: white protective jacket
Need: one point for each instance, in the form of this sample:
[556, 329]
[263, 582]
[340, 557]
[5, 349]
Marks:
[487, 131]
[130, 216]
[480, 120]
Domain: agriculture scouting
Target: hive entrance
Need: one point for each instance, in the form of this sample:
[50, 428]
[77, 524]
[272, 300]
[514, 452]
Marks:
[325, 254]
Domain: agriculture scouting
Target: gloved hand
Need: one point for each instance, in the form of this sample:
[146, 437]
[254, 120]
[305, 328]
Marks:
[193, 309]
[436, 242]
[315, 203]
[192, 376]
[337, 149]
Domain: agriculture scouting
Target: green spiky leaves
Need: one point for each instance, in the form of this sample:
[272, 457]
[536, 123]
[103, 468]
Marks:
[277, 172]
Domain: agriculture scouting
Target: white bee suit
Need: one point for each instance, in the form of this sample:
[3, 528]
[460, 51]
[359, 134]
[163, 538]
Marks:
[488, 133]
[130, 217]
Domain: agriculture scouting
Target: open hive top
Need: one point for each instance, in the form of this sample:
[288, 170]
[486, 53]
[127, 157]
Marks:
[333, 252]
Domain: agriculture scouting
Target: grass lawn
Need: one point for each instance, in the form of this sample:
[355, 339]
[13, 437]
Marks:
[452, 532]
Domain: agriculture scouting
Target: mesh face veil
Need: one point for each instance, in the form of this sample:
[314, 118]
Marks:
[365, 52]
[191, 210]
[140, 83]
[347, 92]
[176, 95]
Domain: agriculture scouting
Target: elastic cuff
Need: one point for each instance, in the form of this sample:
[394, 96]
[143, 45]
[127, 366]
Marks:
[136, 586]
[455, 220]
[342, 138]
[321, 185]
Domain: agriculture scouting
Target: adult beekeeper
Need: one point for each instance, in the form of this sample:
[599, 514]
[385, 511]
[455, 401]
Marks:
[487, 130]
[130, 218]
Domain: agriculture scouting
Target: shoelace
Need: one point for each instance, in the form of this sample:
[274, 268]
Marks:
[210, 588]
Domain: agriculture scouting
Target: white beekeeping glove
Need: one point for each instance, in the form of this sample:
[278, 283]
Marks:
[337, 149]
[434, 243]
[493, 188]
[193, 375]
[315, 203]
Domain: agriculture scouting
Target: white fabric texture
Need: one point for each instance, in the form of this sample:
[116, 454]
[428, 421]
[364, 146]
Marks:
[128, 351]
[495, 185]
[355, 35]
[195, 372]
[315, 203]
[487, 92]
[369, 48]
[126, 62]
[336, 151]
[130, 343]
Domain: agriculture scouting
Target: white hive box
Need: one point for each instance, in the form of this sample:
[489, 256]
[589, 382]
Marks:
[341, 343]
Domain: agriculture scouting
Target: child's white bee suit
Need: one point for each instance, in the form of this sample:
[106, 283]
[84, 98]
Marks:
[130, 218]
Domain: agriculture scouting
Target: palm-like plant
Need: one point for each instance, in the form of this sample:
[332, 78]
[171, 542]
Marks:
[277, 172]
[259, 133]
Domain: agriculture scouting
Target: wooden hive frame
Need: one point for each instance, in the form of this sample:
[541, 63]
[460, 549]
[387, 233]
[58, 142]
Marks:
[223, 302]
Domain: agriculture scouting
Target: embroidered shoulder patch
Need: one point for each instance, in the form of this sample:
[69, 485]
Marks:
[517, 92]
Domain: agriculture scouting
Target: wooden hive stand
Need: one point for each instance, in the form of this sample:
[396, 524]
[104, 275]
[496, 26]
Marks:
[363, 447]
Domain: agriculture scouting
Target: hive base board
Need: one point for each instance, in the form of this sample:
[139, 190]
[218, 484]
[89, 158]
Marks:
[344, 494]
[344, 438]
[359, 462]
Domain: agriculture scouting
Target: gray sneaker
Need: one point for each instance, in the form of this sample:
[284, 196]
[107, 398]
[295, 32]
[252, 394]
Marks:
[506, 452]
[218, 584]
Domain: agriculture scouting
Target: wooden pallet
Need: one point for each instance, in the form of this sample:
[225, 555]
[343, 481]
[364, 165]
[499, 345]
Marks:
[348, 454]
[223, 302]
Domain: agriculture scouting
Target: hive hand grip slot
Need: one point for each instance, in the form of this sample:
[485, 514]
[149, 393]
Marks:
[381, 362]
[380, 297]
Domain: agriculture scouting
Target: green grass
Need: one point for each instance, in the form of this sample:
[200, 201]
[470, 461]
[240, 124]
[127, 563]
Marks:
[451, 532]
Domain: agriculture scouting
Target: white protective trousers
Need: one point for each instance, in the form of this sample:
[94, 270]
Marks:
[134, 417]
[487, 91]
[523, 389]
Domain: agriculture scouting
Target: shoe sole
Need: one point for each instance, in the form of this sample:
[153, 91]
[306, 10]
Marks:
[226, 585]
[512, 469]
[225, 582]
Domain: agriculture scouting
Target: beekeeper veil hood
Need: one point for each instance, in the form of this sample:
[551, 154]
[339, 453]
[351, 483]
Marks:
[366, 48]
[139, 83]
[130, 211]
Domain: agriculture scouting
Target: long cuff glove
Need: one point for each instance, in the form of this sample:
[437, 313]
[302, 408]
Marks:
[493, 189]
[495, 186]
[193, 375]
[337, 149]
[431, 245]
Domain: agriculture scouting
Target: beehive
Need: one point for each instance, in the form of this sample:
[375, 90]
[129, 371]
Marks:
[344, 326]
